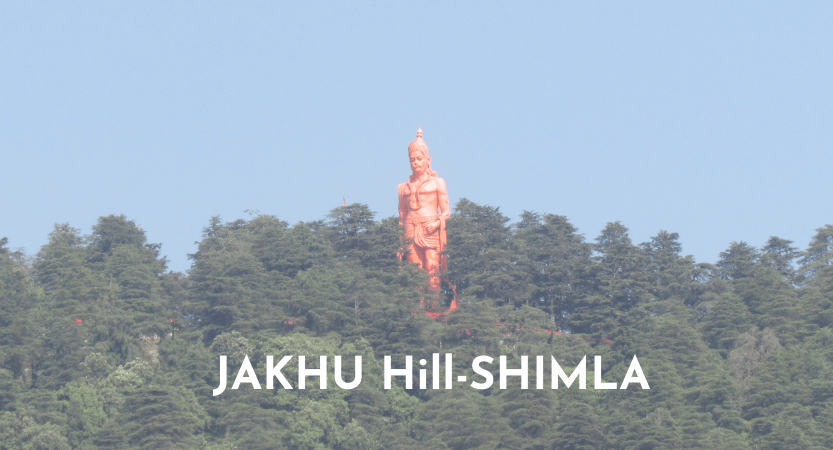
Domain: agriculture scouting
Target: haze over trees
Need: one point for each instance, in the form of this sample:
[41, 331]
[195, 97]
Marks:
[102, 347]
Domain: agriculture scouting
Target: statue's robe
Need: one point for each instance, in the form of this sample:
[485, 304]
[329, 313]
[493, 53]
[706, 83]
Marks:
[415, 224]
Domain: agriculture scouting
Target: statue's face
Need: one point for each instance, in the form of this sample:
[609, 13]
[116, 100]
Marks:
[419, 162]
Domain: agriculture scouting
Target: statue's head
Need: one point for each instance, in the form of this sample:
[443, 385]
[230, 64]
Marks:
[418, 155]
[418, 145]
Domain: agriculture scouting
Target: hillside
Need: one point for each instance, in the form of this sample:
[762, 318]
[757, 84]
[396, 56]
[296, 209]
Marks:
[102, 348]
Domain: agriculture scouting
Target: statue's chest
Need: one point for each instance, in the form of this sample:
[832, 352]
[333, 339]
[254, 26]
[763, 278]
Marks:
[427, 188]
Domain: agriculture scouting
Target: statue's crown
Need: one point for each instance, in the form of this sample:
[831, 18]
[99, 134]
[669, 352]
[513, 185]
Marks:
[418, 144]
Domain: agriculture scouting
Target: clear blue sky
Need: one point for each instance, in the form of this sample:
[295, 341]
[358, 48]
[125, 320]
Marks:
[710, 119]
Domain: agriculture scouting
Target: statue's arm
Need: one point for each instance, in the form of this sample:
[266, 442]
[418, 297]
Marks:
[442, 199]
[403, 205]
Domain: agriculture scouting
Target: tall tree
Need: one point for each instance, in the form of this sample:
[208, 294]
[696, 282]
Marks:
[350, 226]
[558, 262]
[779, 254]
[624, 281]
[738, 261]
[818, 255]
[481, 255]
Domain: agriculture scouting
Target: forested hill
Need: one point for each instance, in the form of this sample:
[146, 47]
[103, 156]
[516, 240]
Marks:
[102, 348]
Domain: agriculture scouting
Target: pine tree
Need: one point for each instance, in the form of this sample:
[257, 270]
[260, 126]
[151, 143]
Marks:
[558, 260]
[818, 255]
[738, 261]
[779, 254]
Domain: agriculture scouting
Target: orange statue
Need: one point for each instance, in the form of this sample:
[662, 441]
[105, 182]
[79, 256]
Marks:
[423, 207]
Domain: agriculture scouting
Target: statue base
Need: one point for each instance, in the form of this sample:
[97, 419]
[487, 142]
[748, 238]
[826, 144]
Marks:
[451, 307]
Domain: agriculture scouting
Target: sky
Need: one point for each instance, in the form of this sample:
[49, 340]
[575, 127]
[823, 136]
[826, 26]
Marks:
[710, 119]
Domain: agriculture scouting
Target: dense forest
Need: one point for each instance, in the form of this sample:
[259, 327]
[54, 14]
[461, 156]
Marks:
[101, 347]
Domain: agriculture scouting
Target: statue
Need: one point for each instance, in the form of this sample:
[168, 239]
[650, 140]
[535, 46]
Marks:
[423, 208]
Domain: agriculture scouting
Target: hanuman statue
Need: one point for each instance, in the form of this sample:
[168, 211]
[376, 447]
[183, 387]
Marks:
[423, 207]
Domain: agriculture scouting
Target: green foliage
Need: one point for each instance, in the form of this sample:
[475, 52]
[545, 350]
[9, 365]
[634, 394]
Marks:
[818, 256]
[779, 254]
[482, 262]
[100, 347]
[738, 261]
[162, 416]
[23, 433]
[725, 320]
[557, 259]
